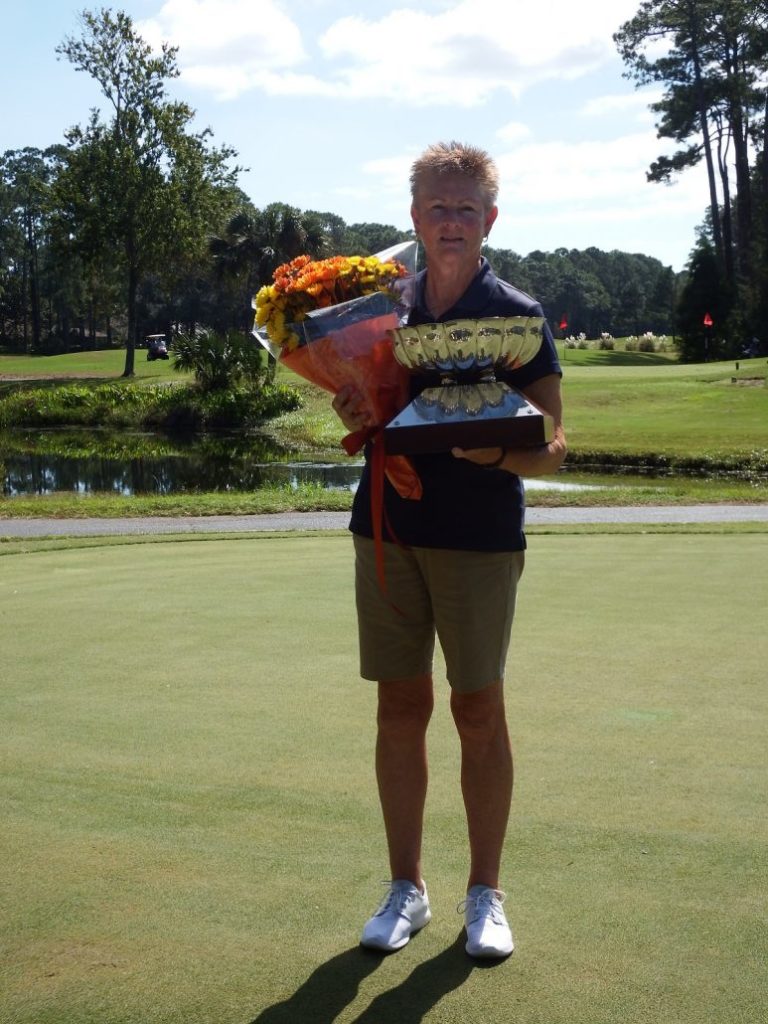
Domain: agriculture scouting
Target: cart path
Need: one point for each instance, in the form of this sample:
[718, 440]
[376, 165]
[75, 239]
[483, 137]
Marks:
[300, 521]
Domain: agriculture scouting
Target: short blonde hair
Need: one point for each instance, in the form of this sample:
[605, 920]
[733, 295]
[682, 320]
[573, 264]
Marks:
[457, 158]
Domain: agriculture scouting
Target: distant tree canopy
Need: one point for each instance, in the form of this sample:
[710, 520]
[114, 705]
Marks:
[137, 225]
[594, 291]
[55, 282]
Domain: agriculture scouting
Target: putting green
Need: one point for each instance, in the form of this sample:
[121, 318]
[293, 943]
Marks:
[191, 832]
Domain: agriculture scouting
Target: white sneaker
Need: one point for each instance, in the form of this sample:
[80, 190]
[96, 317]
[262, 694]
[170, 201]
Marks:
[488, 933]
[403, 911]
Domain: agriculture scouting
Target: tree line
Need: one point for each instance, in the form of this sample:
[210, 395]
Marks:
[711, 59]
[136, 223]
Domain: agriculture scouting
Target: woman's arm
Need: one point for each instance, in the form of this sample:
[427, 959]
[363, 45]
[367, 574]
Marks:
[542, 460]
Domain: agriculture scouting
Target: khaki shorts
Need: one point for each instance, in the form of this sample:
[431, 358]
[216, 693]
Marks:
[467, 598]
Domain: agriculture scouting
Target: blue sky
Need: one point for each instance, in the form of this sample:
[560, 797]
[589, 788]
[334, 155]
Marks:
[328, 102]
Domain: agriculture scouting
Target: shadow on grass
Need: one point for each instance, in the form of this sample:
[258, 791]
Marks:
[335, 984]
[619, 358]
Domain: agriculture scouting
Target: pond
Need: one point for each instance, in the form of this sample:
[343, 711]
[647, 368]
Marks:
[48, 461]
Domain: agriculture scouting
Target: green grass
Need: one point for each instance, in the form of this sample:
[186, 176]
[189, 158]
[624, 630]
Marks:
[308, 498]
[693, 411]
[689, 411]
[105, 364]
[616, 402]
[313, 497]
[617, 357]
[191, 831]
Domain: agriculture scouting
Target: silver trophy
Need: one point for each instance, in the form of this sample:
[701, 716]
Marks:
[469, 407]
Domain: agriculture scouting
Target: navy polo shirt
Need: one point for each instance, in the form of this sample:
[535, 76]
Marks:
[463, 507]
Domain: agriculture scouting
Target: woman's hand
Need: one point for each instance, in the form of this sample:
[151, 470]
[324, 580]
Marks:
[351, 408]
[538, 460]
[490, 458]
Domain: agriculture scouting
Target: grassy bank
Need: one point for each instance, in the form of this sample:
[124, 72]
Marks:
[644, 409]
[311, 498]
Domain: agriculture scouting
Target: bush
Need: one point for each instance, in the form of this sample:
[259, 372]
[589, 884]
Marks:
[219, 361]
[79, 404]
[178, 407]
[188, 408]
[246, 406]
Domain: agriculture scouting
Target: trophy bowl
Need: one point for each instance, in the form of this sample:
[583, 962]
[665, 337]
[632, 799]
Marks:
[469, 408]
[457, 347]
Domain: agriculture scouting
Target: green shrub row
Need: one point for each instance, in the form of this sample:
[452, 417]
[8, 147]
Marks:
[182, 407]
[749, 467]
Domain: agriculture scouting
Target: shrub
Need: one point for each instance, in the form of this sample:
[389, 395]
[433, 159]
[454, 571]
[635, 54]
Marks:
[245, 406]
[190, 408]
[177, 407]
[219, 361]
[71, 404]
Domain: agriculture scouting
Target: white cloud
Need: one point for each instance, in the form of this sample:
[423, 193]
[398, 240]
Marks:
[596, 193]
[475, 59]
[575, 195]
[632, 104]
[568, 177]
[457, 53]
[474, 48]
[228, 46]
[514, 131]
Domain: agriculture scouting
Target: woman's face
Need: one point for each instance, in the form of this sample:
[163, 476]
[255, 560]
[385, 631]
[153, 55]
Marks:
[451, 217]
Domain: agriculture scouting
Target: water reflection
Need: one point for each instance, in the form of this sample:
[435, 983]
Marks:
[81, 462]
[47, 461]
[47, 474]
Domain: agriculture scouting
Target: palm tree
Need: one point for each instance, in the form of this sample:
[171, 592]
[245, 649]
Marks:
[255, 242]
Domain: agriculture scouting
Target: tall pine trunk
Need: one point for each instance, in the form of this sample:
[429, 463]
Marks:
[727, 217]
[130, 347]
[703, 111]
[34, 284]
[738, 121]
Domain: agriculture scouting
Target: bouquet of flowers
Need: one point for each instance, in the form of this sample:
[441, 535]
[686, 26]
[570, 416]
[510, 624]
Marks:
[327, 320]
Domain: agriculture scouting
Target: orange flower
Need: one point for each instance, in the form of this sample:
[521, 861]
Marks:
[302, 285]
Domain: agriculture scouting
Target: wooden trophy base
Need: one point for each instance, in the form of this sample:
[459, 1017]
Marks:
[484, 415]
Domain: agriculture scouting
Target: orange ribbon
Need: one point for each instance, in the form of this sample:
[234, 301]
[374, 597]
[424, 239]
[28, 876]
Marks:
[398, 468]
[401, 474]
[379, 518]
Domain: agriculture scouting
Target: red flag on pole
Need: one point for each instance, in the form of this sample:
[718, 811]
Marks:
[707, 320]
[563, 324]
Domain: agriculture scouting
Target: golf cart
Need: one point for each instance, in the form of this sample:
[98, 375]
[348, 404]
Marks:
[157, 347]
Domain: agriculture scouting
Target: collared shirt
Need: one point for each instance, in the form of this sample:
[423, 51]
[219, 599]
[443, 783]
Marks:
[463, 506]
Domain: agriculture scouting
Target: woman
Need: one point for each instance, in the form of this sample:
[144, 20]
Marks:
[453, 560]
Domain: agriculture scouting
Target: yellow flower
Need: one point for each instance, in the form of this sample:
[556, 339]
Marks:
[303, 285]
